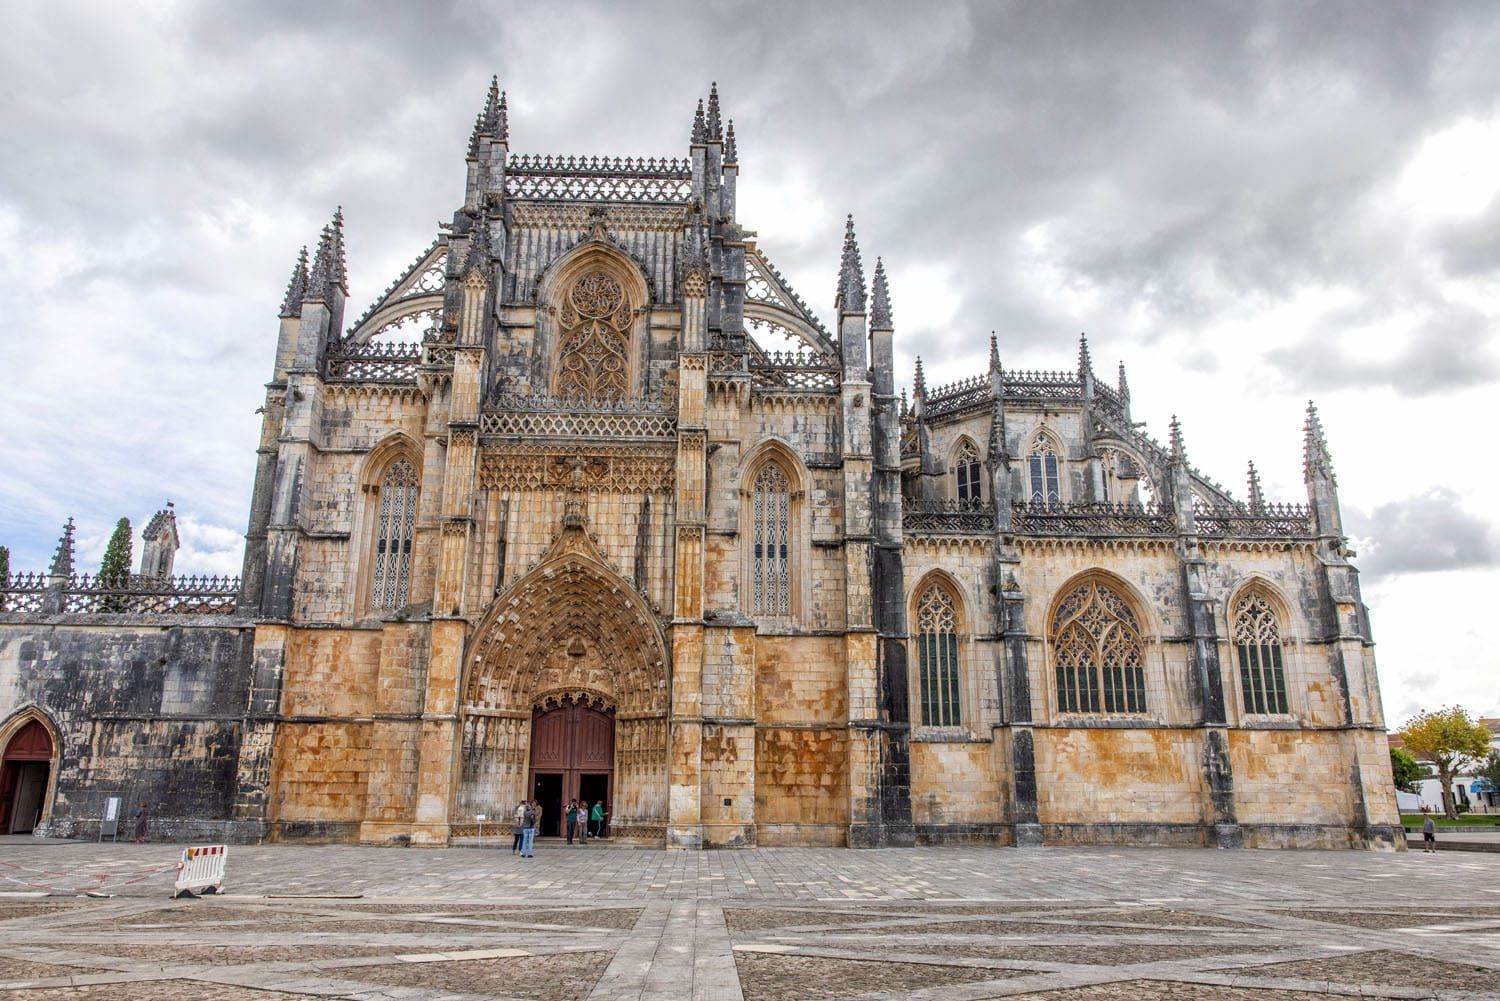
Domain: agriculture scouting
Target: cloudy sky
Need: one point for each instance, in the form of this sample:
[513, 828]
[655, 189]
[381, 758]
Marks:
[1251, 204]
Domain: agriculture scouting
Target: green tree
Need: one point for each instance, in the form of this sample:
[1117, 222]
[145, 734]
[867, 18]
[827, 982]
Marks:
[114, 569]
[1489, 770]
[1450, 740]
[1406, 770]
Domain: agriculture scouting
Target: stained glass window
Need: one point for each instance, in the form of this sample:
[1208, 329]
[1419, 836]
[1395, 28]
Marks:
[1046, 487]
[390, 584]
[937, 657]
[966, 469]
[771, 583]
[1257, 638]
[1098, 652]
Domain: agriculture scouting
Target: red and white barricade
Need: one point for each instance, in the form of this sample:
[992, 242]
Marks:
[201, 869]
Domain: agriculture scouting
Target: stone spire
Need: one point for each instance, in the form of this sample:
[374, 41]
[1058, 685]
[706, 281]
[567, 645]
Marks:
[700, 131]
[1257, 499]
[1085, 363]
[731, 151]
[880, 301]
[994, 354]
[296, 289]
[1124, 386]
[715, 125]
[905, 406]
[1179, 453]
[1315, 456]
[492, 121]
[919, 381]
[328, 268]
[62, 560]
[851, 293]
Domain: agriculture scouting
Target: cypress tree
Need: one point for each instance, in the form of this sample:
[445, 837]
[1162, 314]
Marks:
[115, 567]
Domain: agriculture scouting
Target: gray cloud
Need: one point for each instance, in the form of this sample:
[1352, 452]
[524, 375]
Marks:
[1429, 532]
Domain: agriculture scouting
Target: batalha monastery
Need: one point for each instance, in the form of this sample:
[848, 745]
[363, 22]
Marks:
[589, 503]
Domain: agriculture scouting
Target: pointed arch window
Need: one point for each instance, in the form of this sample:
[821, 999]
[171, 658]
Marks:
[390, 582]
[1098, 651]
[1257, 640]
[1042, 469]
[770, 512]
[594, 349]
[966, 472]
[937, 657]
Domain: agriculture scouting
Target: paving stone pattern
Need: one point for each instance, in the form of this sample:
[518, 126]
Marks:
[956, 924]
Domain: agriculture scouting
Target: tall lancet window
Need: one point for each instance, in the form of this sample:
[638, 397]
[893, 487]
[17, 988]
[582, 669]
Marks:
[1041, 463]
[771, 510]
[1257, 638]
[966, 470]
[937, 657]
[1098, 652]
[593, 355]
[390, 583]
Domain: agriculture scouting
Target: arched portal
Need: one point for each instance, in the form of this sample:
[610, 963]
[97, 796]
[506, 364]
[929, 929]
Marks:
[572, 632]
[25, 774]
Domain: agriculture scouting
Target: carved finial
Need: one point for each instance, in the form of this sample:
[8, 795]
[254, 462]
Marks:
[504, 119]
[700, 131]
[1315, 454]
[62, 560]
[479, 246]
[1257, 499]
[851, 294]
[994, 353]
[715, 126]
[1085, 363]
[328, 268]
[474, 135]
[731, 151]
[880, 301]
[1179, 453]
[905, 407]
[296, 289]
[919, 382]
[1124, 386]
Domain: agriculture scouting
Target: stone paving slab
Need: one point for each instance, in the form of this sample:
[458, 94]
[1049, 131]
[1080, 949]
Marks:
[940, 924]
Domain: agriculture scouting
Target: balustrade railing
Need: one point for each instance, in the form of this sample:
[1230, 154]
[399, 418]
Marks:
[538, 414]
[37, 593]
[947, 517]
[376, 361]
[794, 370]
[598, 178]
[1270, 521]
[1090, 520]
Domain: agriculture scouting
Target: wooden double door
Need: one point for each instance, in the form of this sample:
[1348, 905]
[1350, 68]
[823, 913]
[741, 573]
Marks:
[572, 758]
[25, 767]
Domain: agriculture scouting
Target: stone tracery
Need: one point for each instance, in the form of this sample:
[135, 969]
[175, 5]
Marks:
[593, 353]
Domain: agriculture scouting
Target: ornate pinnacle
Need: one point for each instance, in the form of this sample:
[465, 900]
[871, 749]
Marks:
[731, 151]
[994, 353]
[1085, 363]
[341, 269]
[504, 119]
[479, 246]
[62, 560]
[1179, 453]
[474, 135]
[905, 407]
[919, 381]
[700, 131]
[1315, 455]
[715, 127]
[1124, 386]
[296, 289]
[851, 293]
[1257, 499]
[880, 302]
[328, 264]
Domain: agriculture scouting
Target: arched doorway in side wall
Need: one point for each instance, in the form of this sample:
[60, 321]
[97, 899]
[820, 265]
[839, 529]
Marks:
[25, 769]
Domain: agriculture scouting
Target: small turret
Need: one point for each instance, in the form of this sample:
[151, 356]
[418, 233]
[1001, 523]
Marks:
[1322, 486]
[161, 544]
[1085, 362]
[880, 302]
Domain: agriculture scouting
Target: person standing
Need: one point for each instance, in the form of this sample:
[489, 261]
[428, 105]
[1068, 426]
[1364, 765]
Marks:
[583, 822]
[531, 817]
[596, 819]
[517, 827]
[1429, 832]
[570, 817]
[142, 823]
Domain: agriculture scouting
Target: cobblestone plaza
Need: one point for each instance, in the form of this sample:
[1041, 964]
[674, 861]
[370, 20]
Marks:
[607, 923]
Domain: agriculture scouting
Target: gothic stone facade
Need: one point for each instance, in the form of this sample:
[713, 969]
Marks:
[590, 503]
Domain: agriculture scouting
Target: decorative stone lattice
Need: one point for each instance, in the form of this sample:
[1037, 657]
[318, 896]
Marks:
[1098, 652]
[937, 655]
[391, 581]
[770, 562]
[610, 468]
[594, 360]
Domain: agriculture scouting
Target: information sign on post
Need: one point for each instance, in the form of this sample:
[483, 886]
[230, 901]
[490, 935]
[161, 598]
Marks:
[109, 826]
